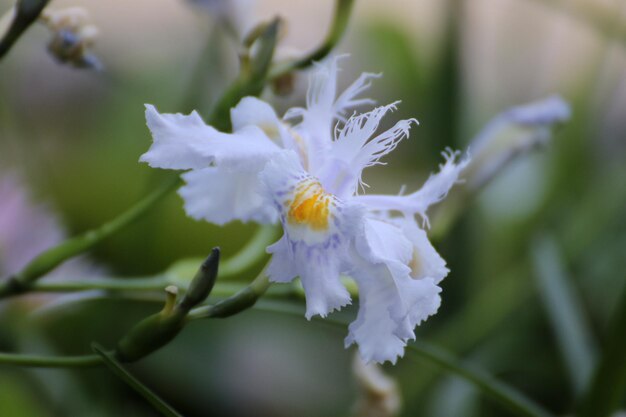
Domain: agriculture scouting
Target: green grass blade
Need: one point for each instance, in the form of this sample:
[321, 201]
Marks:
[608, 386]
[507, 396]
[117, 368]
[564, 311]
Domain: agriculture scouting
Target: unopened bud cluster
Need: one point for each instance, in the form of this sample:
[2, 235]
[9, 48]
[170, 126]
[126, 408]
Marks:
[72, 37]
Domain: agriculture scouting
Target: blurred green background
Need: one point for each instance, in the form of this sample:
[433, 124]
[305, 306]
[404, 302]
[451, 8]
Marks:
[75, 137]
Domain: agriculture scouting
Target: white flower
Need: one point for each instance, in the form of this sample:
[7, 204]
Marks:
[28, 228]
[379, 394]
[308, 176]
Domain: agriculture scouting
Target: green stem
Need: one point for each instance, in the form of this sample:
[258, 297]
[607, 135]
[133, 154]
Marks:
[608, 385]
[343, 8]
[26, 13]
[109, 284]
[508, 396]
[251, 79]
[53, 257]
[35, 361]
[564, 310]
[251, 253]
[159, 404]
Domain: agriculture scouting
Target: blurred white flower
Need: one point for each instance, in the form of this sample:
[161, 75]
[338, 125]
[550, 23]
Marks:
[27, 229]
[379, 395]
[308, 176]
[508, 136]
[537, 119]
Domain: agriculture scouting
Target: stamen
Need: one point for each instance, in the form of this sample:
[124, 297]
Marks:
[310, 206]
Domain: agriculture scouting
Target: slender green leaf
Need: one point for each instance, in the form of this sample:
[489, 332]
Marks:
[506, 395]
[36, 361]
[53, 257]
[608, 386]
[117, 368]
[564, 310]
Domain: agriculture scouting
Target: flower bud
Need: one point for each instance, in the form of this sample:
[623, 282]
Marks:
[159, 329]
[72, 37]
[153, 332]
[202, 283]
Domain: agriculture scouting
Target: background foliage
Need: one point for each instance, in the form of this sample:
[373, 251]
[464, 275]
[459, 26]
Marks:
[75, 136]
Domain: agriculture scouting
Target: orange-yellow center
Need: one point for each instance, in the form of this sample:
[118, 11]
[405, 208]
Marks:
[310, 206]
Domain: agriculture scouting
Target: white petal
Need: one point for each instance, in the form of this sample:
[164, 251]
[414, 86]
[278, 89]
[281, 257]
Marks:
[389, 309]
[434, 190]
[384, 242]
[374, 330]
[174, 137]
[539, 115]
[391, 302]
[425, 261]
[318, 230]
[354, 149]
[186, 142]
[220, 195]
[438, 185]
[324, 109]
[254, 112]
[348, 99]
[318, 268]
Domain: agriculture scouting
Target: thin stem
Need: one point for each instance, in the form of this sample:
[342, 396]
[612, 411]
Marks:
[508, 396]
[35, 361]
[564, 310]
[251, 79]
[26, 13]
[343, 9]
[109, 284]
[53, 257]
[608, 384]
[251, 253]
[111, 362]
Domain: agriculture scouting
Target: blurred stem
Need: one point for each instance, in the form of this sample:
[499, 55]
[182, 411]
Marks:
[343, 9]
[159, 404]
[192, 98]
[109, 284]
[242, 300]
[26, 13]
[257, 71]
[462, 195]
[564, 311]
[251, 253]
[608, 386]
[36, 361]
[252, 76]
[53, 257]
[508, 396]
[490, 306]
